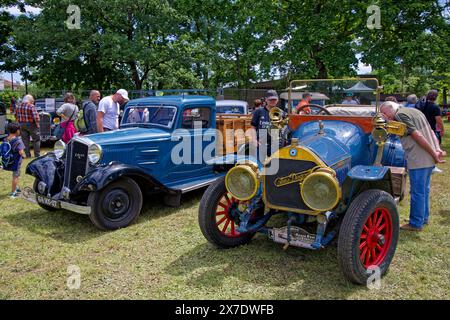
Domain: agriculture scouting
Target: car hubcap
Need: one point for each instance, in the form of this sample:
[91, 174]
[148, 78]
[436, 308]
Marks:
[116, 203]
[376, 237]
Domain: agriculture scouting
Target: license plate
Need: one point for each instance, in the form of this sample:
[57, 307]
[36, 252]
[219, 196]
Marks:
[48, 202]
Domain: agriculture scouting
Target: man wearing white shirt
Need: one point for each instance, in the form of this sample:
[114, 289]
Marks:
[109, 109]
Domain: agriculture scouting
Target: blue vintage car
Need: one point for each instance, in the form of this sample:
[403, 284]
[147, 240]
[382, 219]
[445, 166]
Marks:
[341, 173]
[107, 175]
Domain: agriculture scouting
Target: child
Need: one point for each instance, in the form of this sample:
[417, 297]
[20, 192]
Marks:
[17, 153]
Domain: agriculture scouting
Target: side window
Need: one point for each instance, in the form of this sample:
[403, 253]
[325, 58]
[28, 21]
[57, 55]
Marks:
[192, 118]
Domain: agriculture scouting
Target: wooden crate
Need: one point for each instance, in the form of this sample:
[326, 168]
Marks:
[398, 178]
[232, 128]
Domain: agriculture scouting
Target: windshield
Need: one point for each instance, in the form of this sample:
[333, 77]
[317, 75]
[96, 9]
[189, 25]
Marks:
[331, 94]
[162, 116]
[230, 109]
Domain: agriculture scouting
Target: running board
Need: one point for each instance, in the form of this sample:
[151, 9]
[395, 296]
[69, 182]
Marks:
[190, 186]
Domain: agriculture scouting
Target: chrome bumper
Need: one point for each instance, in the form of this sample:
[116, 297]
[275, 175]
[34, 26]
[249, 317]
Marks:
[29, 195]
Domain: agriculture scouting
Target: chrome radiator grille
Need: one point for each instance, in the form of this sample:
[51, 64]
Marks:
[76, 163]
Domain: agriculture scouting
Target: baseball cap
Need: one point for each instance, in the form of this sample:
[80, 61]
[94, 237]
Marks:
[123, 93]
[271, 94]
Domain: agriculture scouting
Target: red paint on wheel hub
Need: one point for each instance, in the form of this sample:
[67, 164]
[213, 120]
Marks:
[376, 238]
[224, 221]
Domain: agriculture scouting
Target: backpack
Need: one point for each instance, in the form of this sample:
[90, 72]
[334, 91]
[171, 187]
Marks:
[59, 129]
[6, 155]
[80, 121]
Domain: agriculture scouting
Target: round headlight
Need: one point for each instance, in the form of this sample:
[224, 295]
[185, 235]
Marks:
[95, 153]
[59, 149]
[320, 191]
[242, 182]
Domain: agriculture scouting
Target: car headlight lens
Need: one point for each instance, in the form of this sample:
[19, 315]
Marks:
[242, 182]
[59, 149]
[95, 153]
[320, 191]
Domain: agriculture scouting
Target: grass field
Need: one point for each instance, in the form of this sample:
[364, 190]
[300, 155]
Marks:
[165, 256]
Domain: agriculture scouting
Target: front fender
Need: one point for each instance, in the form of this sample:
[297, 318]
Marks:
[361, 178]
[100, 177]
[48, 169]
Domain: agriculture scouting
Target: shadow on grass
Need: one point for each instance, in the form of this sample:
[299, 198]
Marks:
[70, 227]
[296, 273]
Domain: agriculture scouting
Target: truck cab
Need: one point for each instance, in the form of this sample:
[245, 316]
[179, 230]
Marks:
[163, 146]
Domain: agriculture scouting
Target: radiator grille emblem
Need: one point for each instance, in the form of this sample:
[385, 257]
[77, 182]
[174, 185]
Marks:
[292, 178]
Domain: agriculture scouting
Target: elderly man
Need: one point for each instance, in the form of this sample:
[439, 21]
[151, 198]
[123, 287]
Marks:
[422, 152]
[28, 118]
[109, 110]
[411, 101]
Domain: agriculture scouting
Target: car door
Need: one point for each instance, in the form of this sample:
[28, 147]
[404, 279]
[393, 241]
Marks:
[194, 135]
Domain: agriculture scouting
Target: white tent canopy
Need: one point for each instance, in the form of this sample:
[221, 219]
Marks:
[360, 87]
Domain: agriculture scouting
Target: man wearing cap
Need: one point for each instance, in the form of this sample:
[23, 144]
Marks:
[307, 97]
[261, 122]
[109, 110]
[349, 99]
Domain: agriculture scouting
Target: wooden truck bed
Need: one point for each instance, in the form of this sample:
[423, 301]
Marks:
[232, 128]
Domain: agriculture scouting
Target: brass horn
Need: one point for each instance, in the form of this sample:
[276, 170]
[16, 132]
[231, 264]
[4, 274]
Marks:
[278, 118]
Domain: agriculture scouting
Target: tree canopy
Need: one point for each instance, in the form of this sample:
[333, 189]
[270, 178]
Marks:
[158, 44]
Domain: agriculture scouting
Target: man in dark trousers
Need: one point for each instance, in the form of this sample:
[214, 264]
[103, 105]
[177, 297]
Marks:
[260, 132]
[28, 118]
[90, 112]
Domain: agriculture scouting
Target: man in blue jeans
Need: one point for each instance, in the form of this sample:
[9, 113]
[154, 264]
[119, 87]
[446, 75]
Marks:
[422, 152]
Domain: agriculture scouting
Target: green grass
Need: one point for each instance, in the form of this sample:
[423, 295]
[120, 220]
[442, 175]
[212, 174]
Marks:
[165, 256]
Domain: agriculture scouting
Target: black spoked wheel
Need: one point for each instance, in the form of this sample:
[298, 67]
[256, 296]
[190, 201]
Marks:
[43, 206]
[117, 206]
[368, 235]
[217, 219]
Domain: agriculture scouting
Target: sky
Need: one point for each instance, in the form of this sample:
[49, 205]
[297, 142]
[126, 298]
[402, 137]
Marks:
[362, 68]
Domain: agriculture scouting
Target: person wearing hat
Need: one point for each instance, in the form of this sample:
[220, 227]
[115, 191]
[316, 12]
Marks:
[261, 122]
[109, 110]
[349, 99]
[307, 97]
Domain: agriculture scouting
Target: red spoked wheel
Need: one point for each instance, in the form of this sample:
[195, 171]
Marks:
[216, 218]
[376, 238]
[368, 235]
[224, 220]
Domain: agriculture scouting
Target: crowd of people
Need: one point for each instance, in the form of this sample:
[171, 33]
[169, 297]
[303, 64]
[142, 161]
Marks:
[95, 115]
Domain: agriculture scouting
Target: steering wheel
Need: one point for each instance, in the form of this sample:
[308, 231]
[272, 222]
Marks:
[322, 109]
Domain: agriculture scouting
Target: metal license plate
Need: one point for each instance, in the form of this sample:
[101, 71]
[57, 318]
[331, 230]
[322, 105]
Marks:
[48, 202]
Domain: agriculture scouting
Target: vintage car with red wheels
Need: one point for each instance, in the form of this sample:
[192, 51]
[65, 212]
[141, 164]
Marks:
[339, 175]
